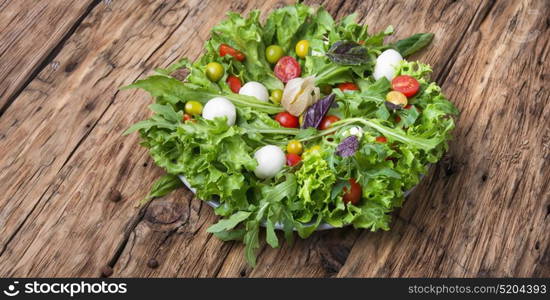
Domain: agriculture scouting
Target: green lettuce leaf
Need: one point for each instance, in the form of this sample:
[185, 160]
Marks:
[218, 160]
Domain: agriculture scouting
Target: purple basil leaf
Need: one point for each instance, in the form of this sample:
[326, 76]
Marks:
[392, 106]
[348, 146]
[315, 113]
[348, 53]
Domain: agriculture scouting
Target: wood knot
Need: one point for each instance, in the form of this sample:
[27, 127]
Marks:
[164, 212]
[153, 263]
[89, 106]
[484, 177]
[333, 257]
[449, 166]
[70, 67]
[106, 271]
[114, 195]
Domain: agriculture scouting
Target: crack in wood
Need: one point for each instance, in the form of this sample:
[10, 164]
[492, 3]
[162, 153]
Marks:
[430, 238]
[168, 37]
[90, 129]
[128, 232]
[120, 249]
[481, 14]
[222, 262]
[442, 76]
[49, 57]
[333, 269]
[18, 228]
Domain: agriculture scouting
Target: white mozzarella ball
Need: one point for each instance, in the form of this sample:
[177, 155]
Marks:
[271, 159]
[386, 64]
[255, 89]
[356, 130]
[220, 107]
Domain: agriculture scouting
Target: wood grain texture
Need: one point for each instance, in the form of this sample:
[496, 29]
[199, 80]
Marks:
[71, 181]
[61, 162]
[30, 33]
[494, 186]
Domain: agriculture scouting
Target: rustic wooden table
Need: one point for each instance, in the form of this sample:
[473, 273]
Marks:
[70, 181]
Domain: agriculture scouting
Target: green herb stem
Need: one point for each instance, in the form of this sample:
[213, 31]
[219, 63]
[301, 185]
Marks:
[423, 143]
[333, 70]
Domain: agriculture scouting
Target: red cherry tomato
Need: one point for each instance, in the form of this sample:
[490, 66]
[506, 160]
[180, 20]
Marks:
[354, 193]
[239, 56]
[287, 68]
[188, 117]
[226, 49]
[234, 83]
[406, 85]
[381, 139]
[393, 159]
[348, 86]
[408, 106]
[327, 122]
[287, 120]
[293, 159]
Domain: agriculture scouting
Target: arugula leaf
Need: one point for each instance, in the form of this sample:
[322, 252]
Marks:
[230, 235]
[230, 223]
[271, 237]
[328, 73]
[170, 90]
[182, 63]
[252, 241]
[413, 43]
[399, 135]
[163, 186]
[147, 124]
[167, 112]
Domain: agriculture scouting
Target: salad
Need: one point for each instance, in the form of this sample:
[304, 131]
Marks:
[296, 122]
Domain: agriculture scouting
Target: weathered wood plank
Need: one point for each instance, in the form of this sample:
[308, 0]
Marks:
[172, 239]
[381, 254]
[64, 158]
[325, 253]
[56, 174]
[30, 32]
[321, 255]
[487, 204]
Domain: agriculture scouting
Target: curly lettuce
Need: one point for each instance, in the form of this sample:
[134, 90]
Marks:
[217, 159]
